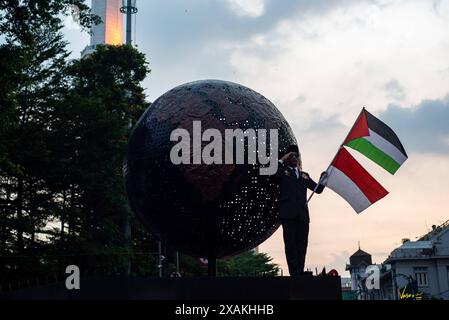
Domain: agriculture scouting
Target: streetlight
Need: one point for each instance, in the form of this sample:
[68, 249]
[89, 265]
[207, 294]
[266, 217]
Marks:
[129, 7]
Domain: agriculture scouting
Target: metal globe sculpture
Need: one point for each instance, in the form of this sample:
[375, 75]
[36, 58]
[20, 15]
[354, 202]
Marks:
[204, 210]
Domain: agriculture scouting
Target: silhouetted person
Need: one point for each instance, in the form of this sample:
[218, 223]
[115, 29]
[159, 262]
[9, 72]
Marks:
[293, 209]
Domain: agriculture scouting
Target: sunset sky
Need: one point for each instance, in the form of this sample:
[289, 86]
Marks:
[320, 62]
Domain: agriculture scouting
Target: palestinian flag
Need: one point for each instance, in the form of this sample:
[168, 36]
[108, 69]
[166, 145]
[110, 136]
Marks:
[374, 139]
[352, 182]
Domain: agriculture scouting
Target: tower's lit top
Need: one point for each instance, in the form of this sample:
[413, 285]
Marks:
[110, 31]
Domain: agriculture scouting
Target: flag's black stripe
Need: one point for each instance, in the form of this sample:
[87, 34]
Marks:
[384, 131]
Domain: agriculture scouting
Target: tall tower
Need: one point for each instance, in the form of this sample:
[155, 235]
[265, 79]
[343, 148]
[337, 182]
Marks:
[110, 31]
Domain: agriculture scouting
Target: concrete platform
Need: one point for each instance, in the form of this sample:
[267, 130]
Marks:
[209, 289]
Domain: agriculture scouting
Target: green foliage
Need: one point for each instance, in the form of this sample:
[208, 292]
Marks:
[63, 130]
[19, 19]
[248, 264]
[89, 133]
[30, 88]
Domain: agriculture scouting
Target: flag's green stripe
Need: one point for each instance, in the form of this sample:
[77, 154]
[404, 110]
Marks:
[378, 156]
[384, 131]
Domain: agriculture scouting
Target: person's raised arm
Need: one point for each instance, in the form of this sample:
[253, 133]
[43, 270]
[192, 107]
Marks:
[283, 162]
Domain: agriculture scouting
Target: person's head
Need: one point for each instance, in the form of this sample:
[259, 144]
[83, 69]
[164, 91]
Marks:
[295, 158]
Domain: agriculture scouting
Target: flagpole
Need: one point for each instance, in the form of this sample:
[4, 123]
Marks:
[341, 146]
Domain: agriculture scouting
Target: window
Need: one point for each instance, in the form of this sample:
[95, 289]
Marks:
[421, 276]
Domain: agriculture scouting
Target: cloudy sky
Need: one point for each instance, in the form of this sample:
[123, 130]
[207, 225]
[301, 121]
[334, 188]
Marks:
[320, 62]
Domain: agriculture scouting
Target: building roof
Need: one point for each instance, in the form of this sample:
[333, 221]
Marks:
[417, 245]
[360, 253]
[360, 257]
[412, 250]
[428, 246]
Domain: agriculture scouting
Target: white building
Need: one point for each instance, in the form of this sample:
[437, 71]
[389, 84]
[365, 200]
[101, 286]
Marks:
[416, 270]
[110, 31]
[423, 264]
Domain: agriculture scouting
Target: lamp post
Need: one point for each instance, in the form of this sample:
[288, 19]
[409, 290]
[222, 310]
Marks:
[129, 8]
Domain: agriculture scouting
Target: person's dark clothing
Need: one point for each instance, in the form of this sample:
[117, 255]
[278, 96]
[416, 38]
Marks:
[292, 202]
[294, 214]
[296, 235]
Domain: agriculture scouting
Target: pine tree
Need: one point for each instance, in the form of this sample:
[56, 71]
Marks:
[90, 131]
[33, 57]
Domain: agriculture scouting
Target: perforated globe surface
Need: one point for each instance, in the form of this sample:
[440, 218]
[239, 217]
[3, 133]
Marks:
[204, 210]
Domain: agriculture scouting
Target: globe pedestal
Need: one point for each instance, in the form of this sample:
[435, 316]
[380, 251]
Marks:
[212, 267]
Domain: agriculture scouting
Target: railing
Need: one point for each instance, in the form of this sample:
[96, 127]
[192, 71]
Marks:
[438, 229]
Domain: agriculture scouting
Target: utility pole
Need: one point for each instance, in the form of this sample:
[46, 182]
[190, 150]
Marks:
[177, 262]
[129, 8]
[161, 259]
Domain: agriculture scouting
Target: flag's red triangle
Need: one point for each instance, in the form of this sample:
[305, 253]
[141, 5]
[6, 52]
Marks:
[360, 129]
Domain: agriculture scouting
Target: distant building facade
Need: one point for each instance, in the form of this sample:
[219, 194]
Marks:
[416, 270]
[346, 289]
[423, 264]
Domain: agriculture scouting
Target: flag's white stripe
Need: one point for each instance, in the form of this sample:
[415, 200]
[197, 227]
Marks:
[386, 147]
[347, 189]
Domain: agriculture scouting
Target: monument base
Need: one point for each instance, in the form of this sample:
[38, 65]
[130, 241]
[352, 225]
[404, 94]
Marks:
[210, 289]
